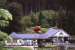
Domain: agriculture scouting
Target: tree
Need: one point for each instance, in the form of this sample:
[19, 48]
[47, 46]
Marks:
[5, 19]
[3, 37]
[51, 16]
[42, 20]
[16, 9]
[3, 3]
[25, 23]
[33, 20]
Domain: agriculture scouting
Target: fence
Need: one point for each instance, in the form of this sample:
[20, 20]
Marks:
[55, 46]
[58, 47]
[70, 47]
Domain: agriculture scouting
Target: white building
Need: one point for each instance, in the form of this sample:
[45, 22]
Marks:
[57, 35]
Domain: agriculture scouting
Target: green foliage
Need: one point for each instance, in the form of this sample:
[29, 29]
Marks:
[25, 23]
[5, 17]
[33, 20]
[50, 14]
[5, 14]
[3, 37]
[26, 20]
[3, 23]
[47, 18]
[18, 48]
[42, 20]
[44, 30]
[22, 48]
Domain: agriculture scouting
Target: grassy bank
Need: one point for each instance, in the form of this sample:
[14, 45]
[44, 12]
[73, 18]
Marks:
[18, 48]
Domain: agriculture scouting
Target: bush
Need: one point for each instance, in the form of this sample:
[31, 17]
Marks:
[3, 37]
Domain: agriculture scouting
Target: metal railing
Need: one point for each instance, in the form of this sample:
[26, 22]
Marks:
[58, 46]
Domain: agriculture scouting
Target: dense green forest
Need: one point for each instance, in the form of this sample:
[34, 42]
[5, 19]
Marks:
[46, 13]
